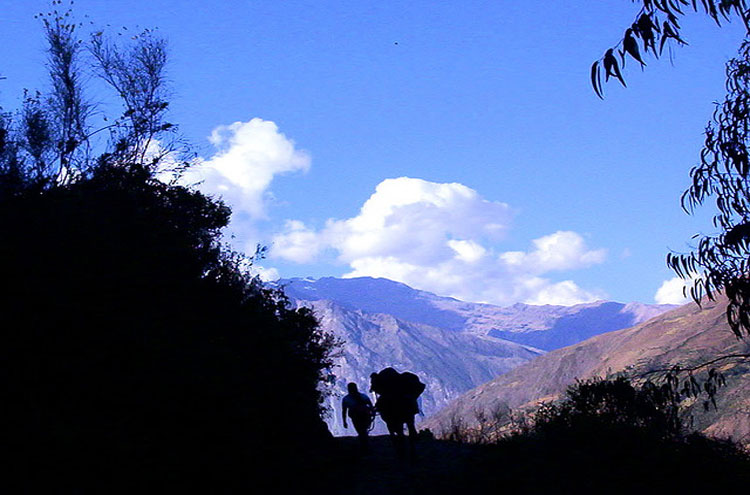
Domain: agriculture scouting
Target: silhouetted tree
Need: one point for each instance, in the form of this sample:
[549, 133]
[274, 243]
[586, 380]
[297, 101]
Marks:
[138, 355]
[720, 262]
[614, 404]
[605, 434]
[657, 23]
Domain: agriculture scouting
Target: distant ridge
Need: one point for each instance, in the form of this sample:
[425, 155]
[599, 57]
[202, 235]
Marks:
[545, 327]
[452, 345]
[685, 336]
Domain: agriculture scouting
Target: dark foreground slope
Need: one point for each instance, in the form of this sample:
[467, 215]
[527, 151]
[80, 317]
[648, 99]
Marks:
[527, 465]
[685, 336]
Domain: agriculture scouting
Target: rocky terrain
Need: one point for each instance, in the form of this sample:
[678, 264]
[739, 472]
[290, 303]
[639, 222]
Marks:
[545, 327]
[452, 345]
[685, 336]
[448, 362]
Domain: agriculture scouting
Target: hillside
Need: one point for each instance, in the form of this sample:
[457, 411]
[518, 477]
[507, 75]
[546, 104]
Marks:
[452, 345]
[545, 327]
[685, 336]
[448, 362]
[442, 467]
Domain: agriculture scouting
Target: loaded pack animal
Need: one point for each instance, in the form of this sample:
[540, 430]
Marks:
[397, 403]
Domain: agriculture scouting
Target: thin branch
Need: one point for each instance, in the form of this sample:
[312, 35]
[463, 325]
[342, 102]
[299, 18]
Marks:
[694, 368]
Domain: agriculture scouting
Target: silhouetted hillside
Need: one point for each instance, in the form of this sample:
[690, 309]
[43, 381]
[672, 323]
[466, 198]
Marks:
[535, 466]
[686, 336]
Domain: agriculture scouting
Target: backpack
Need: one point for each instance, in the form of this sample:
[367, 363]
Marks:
[384, 382]
[411, 386]
[390, 382]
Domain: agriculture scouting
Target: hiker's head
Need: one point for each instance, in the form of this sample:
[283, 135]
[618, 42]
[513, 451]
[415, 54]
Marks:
[352, 388]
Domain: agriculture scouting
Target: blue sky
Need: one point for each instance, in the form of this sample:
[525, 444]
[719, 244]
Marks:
[456, 146]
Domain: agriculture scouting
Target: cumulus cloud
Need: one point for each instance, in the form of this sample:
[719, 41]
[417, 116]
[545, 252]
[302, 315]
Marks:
[298, 243]
[443, 237]
[563, 250]
[249, 155]
[265, 274]
[672, 291]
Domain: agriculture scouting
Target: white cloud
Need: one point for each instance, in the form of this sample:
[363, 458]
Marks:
[442, 237]
[298, 244]
[468, 251]
[265, 274]
[672, 291]
[564, 293]
[249, 155]
[563, 250]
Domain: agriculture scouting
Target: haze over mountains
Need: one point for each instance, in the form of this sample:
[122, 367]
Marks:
[686, 336]
[452, 345]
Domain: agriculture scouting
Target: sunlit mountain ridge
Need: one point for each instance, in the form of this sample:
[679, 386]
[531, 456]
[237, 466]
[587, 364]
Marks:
[686, 336]
[452, 345]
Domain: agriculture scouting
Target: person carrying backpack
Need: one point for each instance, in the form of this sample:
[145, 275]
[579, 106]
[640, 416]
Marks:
[361, 412]
[398, 402]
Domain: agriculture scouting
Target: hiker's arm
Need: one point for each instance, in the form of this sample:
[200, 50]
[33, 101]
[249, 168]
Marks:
[343, 415]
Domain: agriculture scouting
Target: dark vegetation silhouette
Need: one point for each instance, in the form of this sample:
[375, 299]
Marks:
[604, 436]
[657, 22]
[139, 356]
[720, 262]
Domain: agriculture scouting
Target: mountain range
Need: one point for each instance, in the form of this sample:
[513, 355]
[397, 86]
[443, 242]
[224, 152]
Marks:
[685, 336]
[452, 345]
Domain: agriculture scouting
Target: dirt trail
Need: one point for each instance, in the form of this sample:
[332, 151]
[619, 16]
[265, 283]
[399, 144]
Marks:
[382, 471]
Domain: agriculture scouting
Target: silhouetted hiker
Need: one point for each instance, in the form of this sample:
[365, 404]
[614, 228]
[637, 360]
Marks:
[361, 412]
[397, 403]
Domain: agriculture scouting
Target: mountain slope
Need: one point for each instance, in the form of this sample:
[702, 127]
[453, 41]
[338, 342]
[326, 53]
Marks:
[452, 345]
[685, 336]
[545, 327]
[448, 362]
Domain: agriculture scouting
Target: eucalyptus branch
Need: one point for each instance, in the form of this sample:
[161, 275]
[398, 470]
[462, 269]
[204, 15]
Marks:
[693, 369]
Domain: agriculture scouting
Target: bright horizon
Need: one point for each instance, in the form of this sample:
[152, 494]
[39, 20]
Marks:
[458, 148]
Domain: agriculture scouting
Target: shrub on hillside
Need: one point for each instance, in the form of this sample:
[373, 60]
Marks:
[138, 356]
[608, 435]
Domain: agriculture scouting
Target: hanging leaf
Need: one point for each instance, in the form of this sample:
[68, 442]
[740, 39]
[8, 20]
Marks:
[611, 67]
[646, 29]
[631, 47]
[596, 80]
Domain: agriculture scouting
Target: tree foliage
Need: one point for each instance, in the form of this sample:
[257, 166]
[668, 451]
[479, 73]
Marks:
[52, 139]
[656, 25]
[138, 353]
[605, 433]
[721, 262]
[601, 404]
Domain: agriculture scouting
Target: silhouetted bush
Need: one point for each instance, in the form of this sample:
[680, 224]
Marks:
[599, 406]
[132, 340]
[137, 355]
[608, 436]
